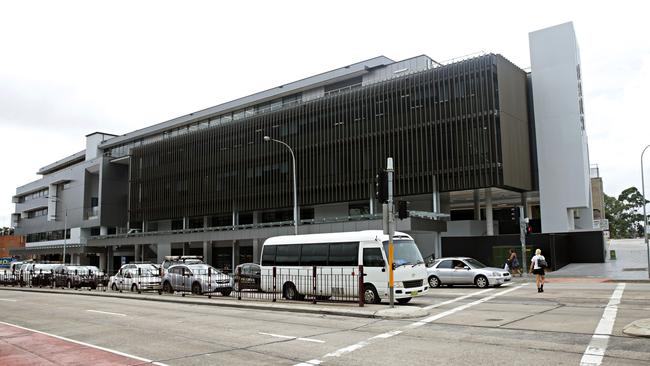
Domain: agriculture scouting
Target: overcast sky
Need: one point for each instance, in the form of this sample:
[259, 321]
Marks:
[70, 68]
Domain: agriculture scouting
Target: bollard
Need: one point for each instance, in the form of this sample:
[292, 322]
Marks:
[76, 276]
[209, 282]
[313, 281]
[40, 278]
[30, 277]
[238, 278]
[274, 289]
[183, 279]
[139, 281]
[361, 289]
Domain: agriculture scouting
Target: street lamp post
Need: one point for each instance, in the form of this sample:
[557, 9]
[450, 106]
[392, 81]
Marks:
[295, 186]
[645, 219]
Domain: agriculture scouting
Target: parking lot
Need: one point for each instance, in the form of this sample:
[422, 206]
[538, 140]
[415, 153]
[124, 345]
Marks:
[508, 325]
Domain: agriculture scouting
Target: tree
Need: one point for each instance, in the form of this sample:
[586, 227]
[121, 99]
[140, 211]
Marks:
[625, 214]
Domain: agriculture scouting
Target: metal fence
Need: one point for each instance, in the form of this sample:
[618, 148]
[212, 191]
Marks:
[315, 284]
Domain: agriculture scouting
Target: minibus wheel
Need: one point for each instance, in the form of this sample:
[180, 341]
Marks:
[370, 295]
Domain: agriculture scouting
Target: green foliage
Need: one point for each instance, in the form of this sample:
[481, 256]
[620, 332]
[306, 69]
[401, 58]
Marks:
[625, 214]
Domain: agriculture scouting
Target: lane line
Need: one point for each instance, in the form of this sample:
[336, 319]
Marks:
[595, 351]
[456, 299]
[105, 312]
[124, 354]
[292, 337]
[351, 348]
[12, 300]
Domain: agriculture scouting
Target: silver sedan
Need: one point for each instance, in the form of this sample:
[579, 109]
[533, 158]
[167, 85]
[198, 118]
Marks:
[465, 271]
[198, 278]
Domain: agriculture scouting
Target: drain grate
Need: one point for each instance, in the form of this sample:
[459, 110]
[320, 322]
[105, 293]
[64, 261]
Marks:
[634, 269]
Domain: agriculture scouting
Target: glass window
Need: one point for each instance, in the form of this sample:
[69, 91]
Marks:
[314, 254]
[446, 265]
[344, 254]
[268, 255]
[288, 255]
[372, 257]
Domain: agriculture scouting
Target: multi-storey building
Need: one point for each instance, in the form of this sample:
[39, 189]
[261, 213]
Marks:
[470, 138]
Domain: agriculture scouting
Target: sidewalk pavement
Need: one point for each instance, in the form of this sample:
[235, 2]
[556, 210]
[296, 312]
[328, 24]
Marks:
[327, 308]
[631, 264]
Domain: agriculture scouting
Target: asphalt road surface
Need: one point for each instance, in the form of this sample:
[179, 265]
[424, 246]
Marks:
[504, 326]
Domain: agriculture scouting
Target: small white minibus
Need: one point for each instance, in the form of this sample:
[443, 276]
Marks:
[341, 254]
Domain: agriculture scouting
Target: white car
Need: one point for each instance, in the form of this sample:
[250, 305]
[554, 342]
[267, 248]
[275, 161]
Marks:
[136, 277]
[198, 278]
[465, 271]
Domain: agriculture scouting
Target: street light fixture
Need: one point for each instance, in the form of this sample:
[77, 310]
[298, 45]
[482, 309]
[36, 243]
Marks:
[295, 189]
[645, 218]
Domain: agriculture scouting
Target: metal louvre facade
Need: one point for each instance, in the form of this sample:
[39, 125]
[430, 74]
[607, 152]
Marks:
[441, 124]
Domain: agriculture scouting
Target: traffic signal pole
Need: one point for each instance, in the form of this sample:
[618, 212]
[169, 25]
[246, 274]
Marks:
[391, 232]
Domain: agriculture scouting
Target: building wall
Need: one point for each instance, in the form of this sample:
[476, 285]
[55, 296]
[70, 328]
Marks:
[10, 241]
[598, 196]
[562, 151]
[441, 122]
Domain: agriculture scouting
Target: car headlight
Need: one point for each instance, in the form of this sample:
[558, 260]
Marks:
[495, 274]
[399, 284]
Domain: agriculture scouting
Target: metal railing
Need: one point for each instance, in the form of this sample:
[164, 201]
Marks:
[315, 284]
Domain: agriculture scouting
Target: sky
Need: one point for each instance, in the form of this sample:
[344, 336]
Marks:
[69, 68]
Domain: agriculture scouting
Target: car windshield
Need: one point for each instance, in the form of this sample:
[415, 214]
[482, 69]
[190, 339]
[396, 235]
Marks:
[202, 269]
[405, 252]
[474, 263]
[148, 270]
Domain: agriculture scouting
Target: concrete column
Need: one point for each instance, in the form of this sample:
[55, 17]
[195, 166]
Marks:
[235, 217]
[163, 249]
[235, 254]
[477, 205]
[435, 195]
[103, 230]
[207, 252]
[137, 251]
[109, 260]
[488, 212]
[524, 203]
[102, 262]
[571, 219]
[256, 250]
[186, 248]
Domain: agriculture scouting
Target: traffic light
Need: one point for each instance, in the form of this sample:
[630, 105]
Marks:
[402, 209]
[514, 214]
[529, 229]
[381, 186]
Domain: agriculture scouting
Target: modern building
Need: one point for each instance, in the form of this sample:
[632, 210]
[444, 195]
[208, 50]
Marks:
[471, 138]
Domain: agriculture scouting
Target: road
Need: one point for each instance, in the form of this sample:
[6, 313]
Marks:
[504, 326]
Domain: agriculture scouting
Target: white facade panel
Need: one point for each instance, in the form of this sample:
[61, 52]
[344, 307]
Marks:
[562, 148]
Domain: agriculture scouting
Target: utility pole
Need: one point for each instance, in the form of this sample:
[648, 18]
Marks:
[522, 239]
[391, 232]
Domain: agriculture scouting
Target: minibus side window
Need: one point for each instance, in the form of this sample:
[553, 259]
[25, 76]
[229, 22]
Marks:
[268, 256]
[314, 254]
[288, 255]
[372, 257]
[344, 254]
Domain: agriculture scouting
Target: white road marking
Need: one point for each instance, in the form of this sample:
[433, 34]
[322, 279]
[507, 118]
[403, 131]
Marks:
[87, 345]
[456, 299]
[292, 337]
[595, 351]
[106, 312]
[359, 345]
[12, 300]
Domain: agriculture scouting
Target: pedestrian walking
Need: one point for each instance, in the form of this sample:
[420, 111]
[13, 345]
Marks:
[513, 263]
[537, 265]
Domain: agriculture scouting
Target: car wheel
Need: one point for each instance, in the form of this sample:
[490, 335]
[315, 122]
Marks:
[370, 295]
[226, 292]
[481, 281]
[114, 287]
[290, 292]
[167, 287]
[134, 288]
[404, 300]
[434, 281]
[196, 289]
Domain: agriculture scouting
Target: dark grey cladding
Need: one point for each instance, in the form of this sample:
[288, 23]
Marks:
[443, 123]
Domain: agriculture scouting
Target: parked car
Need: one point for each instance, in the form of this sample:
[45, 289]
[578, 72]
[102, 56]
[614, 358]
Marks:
[35, 274]
[465, 271]
[72, 276]
[136, 277]
[198, 278]
[247, 276]
[170, 260]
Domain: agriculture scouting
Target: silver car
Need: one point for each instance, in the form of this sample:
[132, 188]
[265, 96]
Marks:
[136, 277]
[198, 278]
[465, 271]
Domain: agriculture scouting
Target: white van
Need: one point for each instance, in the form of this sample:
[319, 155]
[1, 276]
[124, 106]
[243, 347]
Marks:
[339, 255]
